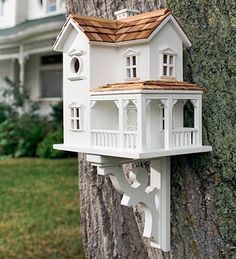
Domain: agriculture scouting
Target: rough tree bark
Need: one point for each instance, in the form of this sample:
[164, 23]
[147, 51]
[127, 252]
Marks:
[198, 184]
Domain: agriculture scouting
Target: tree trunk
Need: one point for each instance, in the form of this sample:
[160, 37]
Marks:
[203, 202]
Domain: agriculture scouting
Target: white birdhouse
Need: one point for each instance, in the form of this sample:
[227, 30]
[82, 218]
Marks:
[125, 100]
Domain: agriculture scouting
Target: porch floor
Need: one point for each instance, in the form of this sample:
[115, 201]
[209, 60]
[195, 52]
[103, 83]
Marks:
[133, 154]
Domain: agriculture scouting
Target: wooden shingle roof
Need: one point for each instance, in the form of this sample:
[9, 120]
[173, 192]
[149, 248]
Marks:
[113, 31]
[150, 85]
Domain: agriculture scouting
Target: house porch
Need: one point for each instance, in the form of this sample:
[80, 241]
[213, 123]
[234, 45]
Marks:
[144, 122]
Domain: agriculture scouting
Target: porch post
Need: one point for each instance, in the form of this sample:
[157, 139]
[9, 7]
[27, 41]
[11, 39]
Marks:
[141, 124]
[121, 123]
[168, 122]
[197, 104]
[21, 60]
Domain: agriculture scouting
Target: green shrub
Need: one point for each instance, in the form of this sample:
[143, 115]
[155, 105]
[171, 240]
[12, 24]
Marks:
[20, 135]
[45, 148]
[57, 113]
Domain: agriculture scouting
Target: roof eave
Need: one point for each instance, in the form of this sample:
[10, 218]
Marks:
[170, 18]
[62, 36]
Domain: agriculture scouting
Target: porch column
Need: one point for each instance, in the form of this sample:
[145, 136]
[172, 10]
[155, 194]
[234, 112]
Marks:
[21, 60]
[168, 122]
[120, 106]
[141, 123]
[197, 104]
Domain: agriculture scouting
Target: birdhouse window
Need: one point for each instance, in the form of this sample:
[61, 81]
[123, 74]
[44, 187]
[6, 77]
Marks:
[75, 65]
[168, 59]
[131, 66]
[75, 118]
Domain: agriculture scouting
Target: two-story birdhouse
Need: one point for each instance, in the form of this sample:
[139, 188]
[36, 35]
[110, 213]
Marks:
[123, 92]
[125, 100]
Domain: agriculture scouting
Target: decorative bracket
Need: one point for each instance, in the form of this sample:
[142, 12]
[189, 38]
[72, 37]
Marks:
[117, 104]
[148, 101]
[92, 103]
[194, 102]
[153, 195]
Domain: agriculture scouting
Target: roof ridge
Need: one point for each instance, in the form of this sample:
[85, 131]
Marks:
[77, 16]
[163, 11]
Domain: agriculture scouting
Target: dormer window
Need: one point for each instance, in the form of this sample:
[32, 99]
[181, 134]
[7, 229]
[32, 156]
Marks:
[131, 64]
[168, 63]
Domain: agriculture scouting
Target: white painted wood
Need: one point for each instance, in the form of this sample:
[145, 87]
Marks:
[133, 154]
[137, 192]
[160, 178]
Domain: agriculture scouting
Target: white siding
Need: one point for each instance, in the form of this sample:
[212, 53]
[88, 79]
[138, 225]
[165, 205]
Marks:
[76, 91]
[166, 38]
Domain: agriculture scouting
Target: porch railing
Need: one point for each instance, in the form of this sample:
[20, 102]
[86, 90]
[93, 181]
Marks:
[111, 139]
[184, 137]
[105, 138]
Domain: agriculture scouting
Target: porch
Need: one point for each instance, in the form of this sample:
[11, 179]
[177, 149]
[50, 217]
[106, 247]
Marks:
[145, 123]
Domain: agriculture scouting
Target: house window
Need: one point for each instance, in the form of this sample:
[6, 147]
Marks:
[75, 118]
[131, 66]
[51, 76]
[1, 7]
[51, 6]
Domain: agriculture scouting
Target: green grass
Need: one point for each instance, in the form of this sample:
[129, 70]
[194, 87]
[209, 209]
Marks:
[39, 209]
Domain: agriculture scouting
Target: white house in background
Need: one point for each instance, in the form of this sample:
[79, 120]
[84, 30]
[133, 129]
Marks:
[28, 29]
[124, 94]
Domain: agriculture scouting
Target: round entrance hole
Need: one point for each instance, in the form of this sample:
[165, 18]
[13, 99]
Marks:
[75, 65]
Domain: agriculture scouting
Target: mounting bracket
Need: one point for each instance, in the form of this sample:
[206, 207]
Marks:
[150, 190]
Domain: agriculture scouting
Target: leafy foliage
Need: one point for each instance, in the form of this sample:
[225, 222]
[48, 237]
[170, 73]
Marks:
[45, 149]
[211, 63]
[22, 128]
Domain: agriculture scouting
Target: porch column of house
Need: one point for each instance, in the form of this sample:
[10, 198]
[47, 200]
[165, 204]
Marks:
[141, 122]
[21, 60]
[120, 106]
[197, 104]
[168, 104]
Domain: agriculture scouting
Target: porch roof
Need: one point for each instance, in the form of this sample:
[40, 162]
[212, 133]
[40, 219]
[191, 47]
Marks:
[150, 85]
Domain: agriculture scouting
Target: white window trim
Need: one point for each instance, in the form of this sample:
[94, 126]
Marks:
[46, 7]
[76, 54]
[129, 54]
[73, 118]
[168, 53]
[1, 8]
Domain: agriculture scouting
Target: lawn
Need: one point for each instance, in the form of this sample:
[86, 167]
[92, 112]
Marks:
[39, 209]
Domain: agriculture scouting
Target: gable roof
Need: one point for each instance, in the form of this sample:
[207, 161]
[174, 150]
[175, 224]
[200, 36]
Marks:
[138, 27]
[150, 85]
